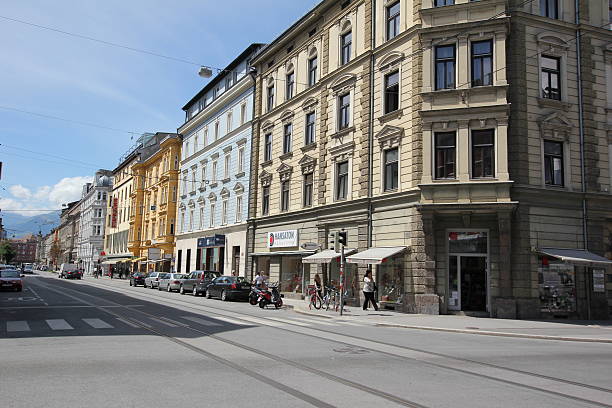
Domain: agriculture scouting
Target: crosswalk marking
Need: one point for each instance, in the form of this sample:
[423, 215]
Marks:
[127, 322]
[97, 323]
[59, 324]
[203, 322]
[17, 326]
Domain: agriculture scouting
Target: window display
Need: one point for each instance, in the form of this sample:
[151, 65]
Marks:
[291, 274]
[391, 280]
[557, 283]
[351, 280]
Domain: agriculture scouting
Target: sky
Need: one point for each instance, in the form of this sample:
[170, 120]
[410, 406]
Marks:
[47, 161]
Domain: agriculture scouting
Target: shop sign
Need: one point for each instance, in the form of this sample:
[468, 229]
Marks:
[153, 254]
[115, 212]
[283, 239]
[216, 240]
[310, 246]
[599, 284]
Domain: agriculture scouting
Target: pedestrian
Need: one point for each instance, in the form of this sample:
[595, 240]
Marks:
[318, 285]
[234, 273]
[369, 287]
[259, 280]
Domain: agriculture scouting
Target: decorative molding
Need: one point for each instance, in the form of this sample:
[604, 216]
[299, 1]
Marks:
[286, 116]
[191, 204]
[224, 193]
[390, 136]
[238, 188]
[286, 156]
[241, 142]
[342, 152]
[201, 200]
[284, 171]
[554, 104]
[212, 197]
[227, 149]
[396, 114]
[267, 126]
[309, 104]
[390, 61]
[343, 83]
[555, 126]
[265, 178]
[308, 164]
[266, 163]
[555, 41]
[308, 147]
[343, 132]
[214, 156]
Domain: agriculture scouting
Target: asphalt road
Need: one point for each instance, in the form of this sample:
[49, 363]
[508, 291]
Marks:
[98, 343]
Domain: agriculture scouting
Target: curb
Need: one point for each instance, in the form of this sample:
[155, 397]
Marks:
[498, 334]
[306, 312]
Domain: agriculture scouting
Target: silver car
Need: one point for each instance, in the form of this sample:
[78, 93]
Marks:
[152, 280]
[170, 281]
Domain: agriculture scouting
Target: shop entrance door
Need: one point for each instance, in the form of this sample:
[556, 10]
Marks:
[467, 281]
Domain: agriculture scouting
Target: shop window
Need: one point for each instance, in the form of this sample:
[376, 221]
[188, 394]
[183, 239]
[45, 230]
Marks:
[482, 63]
[557, 285]
[391, 176]
[467, 242]
[391, 92]
[285, 195]
[551, 81]
[445, 156]
[445, 67]
[346, 41]
[553, 163]
[549, 8]
[342, 170]
[291, 274]
[265, 201]
[483, 162]
[393, 20]
[391, 280]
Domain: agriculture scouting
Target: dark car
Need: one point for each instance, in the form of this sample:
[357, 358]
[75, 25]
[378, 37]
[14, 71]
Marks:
[197, 282]
[138, 278]
[229, 288]
[10, 279]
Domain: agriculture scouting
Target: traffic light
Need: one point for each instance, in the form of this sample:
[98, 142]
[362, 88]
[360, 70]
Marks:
[343, 238]
[333, 241]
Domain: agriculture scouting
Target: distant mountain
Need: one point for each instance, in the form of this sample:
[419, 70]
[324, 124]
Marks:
[20, 225]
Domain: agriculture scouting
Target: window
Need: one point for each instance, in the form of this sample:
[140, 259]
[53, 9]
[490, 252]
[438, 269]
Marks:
[172, 226]
[216, 130]
[181, 225]
[205, 141]
[243, 113]
[224, 212]
[287, 138]
[193, 180]
[184, 188]
[553, 163]
[549, 8]
[391, 92]
[289, 85]
[482, 63]
[238, 208]
[344, 106]
[195, 148]
[312, 70]
[203, 173]
[445, 67]
[191, 217]
[229, 121]
[551, 88]
[393, 20]
[483, 159]
[201, 217]
[346, 41]
[441, 3]
[174, 194]
[391, 169]
[265, 201]
[228, 82]
[445, 155]
[285, 195]
[309, 134]
[186, 149]
[212, 215]
[241, 160]
[307, 190]
[270, 100]
[214, 171]
[342, 180]
[268, 147]
[226, 166]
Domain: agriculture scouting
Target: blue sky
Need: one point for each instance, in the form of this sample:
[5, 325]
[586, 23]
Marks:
[53, 74]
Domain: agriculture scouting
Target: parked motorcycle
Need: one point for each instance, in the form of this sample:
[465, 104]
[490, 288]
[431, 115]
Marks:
[270, 297]
[254, 295]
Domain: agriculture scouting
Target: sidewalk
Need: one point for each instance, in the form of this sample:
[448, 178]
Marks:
[560, 330]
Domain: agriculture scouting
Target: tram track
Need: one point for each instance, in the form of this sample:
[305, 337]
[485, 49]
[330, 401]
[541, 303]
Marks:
[370, 345]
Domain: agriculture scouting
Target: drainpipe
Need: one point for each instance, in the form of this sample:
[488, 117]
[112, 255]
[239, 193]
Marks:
[249, 251]
[371, 124]
[582, 166]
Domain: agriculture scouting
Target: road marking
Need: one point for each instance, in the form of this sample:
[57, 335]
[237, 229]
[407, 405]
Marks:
[231, 321]
[17, 326]
[142, 323]
[315, 322]
[344, 322]
[200, 321]
[288, 321]
[127, 322]
[163, 322]
[59, 324]
[173, 321]
[97, 323]
[38, 296]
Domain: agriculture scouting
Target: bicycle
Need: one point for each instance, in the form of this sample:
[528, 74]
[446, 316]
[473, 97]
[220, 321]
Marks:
[314, 298]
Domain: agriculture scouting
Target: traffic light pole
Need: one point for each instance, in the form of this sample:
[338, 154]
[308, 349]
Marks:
[342, 280]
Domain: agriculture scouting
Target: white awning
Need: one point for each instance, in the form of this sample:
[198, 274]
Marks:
[374, 256]
[575, 256]
[114, 261]
[326, 256]
[281, 253]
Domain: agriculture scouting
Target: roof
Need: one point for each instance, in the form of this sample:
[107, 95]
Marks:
[374, 256]
[326, 256]
[213, 82]
[575, 256]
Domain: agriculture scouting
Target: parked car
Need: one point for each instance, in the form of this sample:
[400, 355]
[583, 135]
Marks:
[10, 279]
[152, 280]
[70, 271]
[138, 278]
[28, 270]
[171, 282]
[197, 282]
[229, 288]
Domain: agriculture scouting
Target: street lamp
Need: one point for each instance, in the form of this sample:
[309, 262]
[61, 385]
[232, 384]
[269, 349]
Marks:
[205, 72]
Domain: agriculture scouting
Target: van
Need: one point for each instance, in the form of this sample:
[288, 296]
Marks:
[70, 271]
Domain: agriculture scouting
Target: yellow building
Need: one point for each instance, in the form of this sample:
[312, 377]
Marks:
[153, 203]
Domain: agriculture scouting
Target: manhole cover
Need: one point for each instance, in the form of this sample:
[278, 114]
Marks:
[351, 350]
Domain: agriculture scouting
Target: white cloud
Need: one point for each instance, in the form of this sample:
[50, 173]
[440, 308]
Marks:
[46, 198]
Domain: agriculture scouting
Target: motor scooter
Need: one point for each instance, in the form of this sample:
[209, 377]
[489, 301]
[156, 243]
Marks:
[270, 297]
[254, 295]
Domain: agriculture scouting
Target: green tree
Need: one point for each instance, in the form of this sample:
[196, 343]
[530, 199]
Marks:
[55, 252]
[7, 253]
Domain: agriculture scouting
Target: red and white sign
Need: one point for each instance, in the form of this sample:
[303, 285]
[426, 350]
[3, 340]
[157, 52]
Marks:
[283, 239]
[115, 213]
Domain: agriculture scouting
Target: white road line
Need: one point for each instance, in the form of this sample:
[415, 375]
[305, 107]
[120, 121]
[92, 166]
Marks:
[315, 321]
[59, 324]
[231, 321]
[17, 326]
[345, 323]
[97, 323]
[265, 322]
[203, 322]
[143, 323]
[163, 322]
[290, 321]
[173, 321]
[127, 322]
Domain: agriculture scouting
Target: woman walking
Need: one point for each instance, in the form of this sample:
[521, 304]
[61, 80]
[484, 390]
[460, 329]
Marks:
[369, 287]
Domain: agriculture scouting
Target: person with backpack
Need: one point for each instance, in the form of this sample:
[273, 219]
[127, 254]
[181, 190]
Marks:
[369, 287]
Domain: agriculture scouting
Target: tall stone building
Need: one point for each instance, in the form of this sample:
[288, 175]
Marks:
[462, 145]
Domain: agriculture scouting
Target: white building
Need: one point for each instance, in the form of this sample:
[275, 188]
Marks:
[91, 221]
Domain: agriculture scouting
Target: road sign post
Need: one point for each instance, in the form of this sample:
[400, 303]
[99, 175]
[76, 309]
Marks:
[341, 280]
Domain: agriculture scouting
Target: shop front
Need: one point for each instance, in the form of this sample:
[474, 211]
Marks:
[328, 262]
[210, 253]
[117, 266]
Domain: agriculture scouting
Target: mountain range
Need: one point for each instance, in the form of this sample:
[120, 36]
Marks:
[18, 225]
